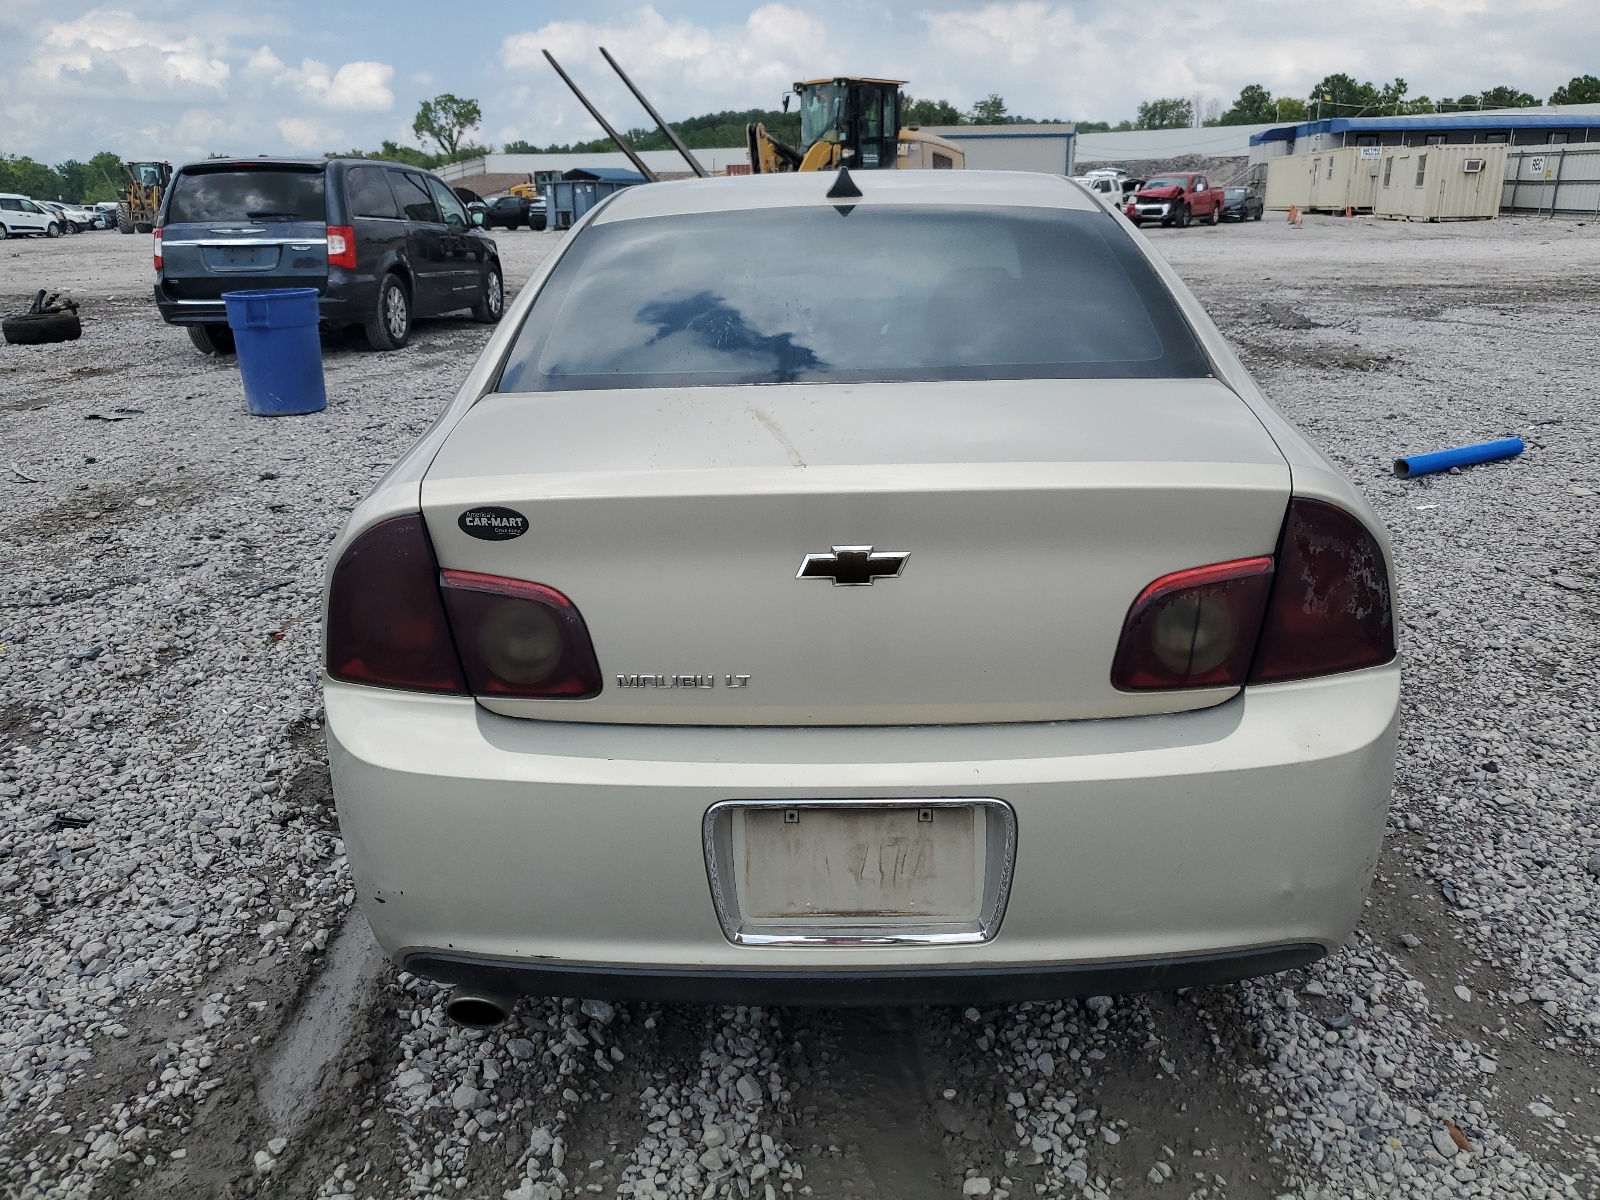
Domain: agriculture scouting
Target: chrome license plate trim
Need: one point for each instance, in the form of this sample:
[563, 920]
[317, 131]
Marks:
[1000, 861]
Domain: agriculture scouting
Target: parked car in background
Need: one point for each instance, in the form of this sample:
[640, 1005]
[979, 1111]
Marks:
[1036, 653]
[1112, 187]
[108, 210]
[77, 219]
[21, 216]
[1242, 204]
[381, 242]
[1176, 199]
[510, 212]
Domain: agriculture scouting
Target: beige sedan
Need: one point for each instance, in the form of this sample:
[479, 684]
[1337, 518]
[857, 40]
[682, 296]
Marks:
[898, 598]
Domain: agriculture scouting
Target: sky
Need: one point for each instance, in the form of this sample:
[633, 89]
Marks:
[151, 79]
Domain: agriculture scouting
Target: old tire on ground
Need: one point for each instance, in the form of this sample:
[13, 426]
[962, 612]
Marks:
[390, 325]
[124, 217]
[213, 341]
[492, 305]
[38, 329]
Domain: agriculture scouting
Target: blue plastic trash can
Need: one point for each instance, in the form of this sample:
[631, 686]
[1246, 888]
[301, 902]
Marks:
[280, 356]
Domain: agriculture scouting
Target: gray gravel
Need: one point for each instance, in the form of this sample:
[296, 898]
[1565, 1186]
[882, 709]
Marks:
[173, 887]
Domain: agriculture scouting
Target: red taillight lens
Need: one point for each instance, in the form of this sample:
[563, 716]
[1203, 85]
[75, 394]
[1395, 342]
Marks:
[386, 622]
[1330, 608]
[342, 246]
[519, 639]
[1194, 628]
[158, 248]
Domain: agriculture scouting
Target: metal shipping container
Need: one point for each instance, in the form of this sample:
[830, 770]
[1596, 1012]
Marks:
[1327, 181]
[1460, 182]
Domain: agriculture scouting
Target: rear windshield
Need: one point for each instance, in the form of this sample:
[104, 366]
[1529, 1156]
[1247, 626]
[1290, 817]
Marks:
[248, 194]
[881, 292]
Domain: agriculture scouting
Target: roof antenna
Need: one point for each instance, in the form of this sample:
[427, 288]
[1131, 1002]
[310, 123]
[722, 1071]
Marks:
[844, 188]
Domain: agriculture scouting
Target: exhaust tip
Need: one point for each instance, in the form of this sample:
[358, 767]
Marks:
[477, 1010]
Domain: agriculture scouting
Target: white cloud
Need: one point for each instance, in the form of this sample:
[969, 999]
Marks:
[105, 44]
[355, 87]
[683, 67]
[300, 133]
[181, 89]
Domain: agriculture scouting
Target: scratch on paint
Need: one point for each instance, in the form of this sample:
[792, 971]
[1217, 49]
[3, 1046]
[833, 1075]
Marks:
[776, 431]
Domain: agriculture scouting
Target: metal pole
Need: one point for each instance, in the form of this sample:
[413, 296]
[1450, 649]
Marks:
[638, 163]
[672, 136]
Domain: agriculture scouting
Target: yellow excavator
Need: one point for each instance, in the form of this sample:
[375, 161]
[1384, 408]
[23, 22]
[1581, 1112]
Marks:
[850, 121]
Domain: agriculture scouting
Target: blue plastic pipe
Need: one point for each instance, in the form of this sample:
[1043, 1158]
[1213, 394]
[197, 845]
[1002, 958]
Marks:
[1461, 456]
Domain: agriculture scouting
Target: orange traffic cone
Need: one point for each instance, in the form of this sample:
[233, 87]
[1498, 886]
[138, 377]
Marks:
[1349, 210]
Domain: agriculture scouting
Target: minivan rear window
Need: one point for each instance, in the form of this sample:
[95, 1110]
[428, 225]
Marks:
[248, 193]
[873, 292]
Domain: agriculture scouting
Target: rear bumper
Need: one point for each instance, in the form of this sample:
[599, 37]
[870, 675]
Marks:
[1150, 851]
[340, 304]
[832, 987]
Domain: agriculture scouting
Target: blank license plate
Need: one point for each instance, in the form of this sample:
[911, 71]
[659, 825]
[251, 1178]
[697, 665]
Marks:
[859, 863]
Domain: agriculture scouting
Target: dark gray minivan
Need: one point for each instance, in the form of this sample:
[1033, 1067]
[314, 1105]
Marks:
[382, 242]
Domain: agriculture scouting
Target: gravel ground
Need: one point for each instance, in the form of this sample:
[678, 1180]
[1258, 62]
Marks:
[190, 1007]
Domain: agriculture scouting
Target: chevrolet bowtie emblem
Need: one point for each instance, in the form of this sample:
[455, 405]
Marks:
[853, 566]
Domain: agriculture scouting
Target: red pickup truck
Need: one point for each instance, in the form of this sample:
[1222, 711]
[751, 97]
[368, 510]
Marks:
[1176, 200]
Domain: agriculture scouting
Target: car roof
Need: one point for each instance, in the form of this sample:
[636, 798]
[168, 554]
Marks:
[790, 189]
[286, 161]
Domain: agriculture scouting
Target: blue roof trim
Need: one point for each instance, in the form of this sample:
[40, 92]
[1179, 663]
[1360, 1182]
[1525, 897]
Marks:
[1463, 122]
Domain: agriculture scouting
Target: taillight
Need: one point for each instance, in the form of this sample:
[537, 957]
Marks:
[341, 246]
[158, 247]
[386, 621]
[1194, 628]
[1330, 608]
[519, 639]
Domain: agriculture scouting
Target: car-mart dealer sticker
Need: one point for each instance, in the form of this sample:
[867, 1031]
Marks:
[493, 524]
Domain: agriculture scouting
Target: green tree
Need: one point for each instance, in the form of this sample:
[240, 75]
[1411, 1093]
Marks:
[100, 178]
[1253, 107]
[991, 110]
[1341, 96]
[931, 112]
[446, 119]
[22, 174]
[1507, 97]
[1168, 113]
[1094, 126]
[1581, 89]
[1290, 108]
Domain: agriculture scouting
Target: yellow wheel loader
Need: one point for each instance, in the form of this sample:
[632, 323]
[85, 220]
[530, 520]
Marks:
[851, 122]
[141, 200]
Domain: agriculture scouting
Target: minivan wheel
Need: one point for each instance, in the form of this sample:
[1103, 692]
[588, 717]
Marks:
[390, 326]
[489, 309]
[213, 341]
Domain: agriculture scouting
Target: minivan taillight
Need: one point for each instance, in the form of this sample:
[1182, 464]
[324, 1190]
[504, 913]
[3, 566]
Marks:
[1194, 628]
[342, 246]
[1330, 609]
[519, 639]
[386, 621]
[158, 247]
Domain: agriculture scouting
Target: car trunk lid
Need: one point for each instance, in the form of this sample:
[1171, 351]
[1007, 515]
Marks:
[1032, 513]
